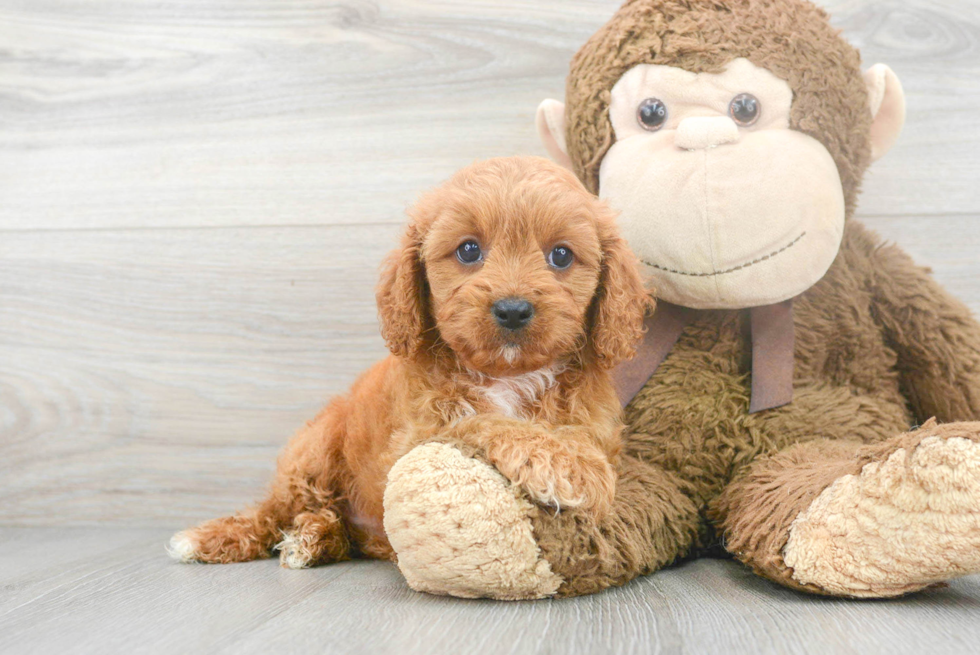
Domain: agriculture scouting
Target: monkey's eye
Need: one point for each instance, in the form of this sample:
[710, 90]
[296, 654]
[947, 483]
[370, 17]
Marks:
[469, 252]
[651, 114]
[745, 109]
[560, 257]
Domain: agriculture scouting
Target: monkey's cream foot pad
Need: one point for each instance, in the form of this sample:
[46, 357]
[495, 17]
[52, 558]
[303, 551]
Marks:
[897, 526]
[460, 528]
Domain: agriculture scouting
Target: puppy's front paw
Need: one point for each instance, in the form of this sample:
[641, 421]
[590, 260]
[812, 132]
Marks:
[570, 482]
[559, 476]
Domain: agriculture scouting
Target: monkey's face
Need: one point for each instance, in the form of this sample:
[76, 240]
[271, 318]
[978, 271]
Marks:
[725, 205]
[733, 175]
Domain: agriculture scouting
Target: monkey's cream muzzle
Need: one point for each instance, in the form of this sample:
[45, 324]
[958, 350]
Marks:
[722, 216]
[727, 226]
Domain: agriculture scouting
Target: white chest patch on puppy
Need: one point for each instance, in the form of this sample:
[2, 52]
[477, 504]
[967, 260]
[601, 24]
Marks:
[510, 395]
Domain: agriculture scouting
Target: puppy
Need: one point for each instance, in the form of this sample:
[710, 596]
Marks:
[510, 298]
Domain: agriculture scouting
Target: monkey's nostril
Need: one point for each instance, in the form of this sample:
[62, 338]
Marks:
[512, 313]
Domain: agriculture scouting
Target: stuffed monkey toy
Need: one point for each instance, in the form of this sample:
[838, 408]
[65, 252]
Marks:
[804, 391]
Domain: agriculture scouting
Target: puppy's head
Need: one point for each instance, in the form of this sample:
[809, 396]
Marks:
[513, 265]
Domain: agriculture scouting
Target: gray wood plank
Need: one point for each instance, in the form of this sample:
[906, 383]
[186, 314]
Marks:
[209, 113]
[36, 563]
[130, 598]
[195, 113]
[138, 365]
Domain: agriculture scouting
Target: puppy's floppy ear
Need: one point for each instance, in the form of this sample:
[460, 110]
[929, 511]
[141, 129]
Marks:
[621, 302]
[402, 296]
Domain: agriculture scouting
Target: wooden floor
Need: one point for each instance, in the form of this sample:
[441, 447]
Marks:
[113, 591]
[195, 196]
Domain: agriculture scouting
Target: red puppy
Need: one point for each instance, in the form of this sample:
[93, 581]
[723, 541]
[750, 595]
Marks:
[510, 298]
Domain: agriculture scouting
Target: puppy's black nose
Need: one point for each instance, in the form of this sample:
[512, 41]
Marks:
[512, 313]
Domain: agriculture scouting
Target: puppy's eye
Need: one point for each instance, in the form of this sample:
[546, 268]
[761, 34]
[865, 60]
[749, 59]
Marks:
[745, 109]
[560, 257]
[469, 252]
[651, 114]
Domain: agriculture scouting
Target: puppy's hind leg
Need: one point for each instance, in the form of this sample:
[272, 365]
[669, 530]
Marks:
[307, 477]
[245, 536]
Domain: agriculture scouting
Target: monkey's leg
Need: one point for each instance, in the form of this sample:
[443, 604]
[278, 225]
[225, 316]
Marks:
[460, 528]
[846, 519]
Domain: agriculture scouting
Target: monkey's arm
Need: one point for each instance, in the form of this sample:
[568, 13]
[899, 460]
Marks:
[936, 337]
[459, 528]
[651, 523]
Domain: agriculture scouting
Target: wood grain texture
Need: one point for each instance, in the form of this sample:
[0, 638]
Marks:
[263, 112]
[253, 112]
[146, 373]
[195, 197]
[98, 590]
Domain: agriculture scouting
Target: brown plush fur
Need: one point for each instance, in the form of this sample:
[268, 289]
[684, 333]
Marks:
[880, 346]
[762, 504]
[546, 416]
[790, 38]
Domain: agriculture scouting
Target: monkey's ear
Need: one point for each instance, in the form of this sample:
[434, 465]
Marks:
[887, 108]
[550, 122]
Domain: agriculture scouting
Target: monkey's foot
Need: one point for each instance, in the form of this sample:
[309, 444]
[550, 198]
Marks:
[904, 522]
[459, 528]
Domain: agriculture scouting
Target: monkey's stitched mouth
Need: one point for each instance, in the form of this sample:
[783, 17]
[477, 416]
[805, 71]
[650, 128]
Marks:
[732, 269]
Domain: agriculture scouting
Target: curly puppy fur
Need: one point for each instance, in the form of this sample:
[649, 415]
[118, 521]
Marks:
[537, 403]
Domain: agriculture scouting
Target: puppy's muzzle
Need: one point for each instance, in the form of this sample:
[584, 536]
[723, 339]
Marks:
[512, 313]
